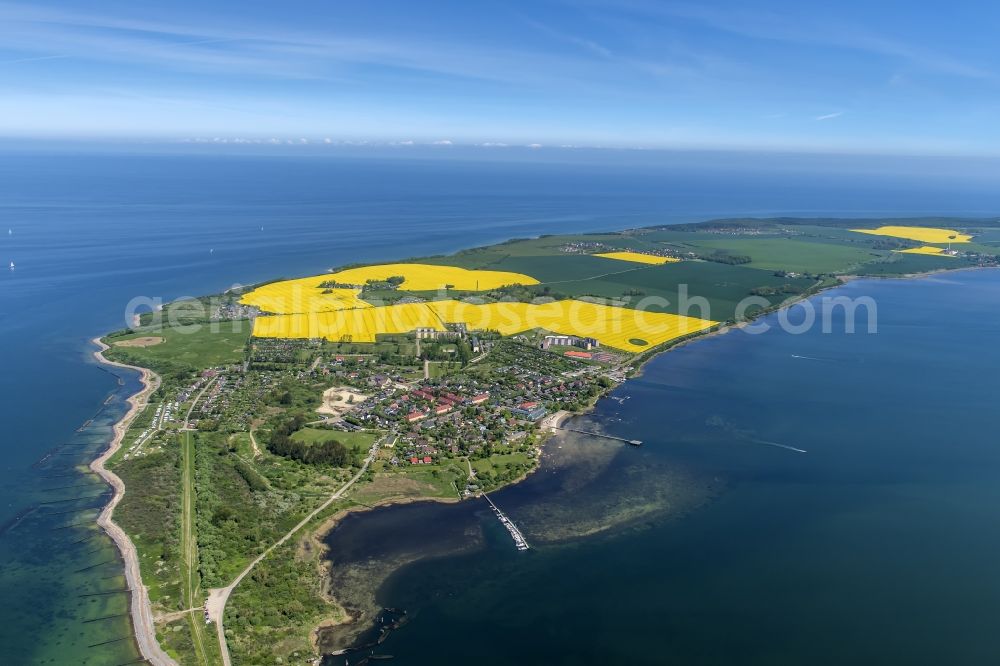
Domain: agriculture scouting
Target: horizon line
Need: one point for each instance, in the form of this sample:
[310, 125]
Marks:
[443, 146]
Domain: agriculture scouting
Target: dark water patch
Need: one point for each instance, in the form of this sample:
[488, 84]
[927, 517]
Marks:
[586, 486]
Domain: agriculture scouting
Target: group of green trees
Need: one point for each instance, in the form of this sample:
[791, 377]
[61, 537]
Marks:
[723, 257]
[329, 452]
[436, 351]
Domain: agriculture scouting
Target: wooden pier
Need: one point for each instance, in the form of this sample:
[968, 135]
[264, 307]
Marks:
[633, 442]
[515, 533]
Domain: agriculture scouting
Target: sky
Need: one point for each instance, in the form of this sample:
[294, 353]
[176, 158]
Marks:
[846, 76]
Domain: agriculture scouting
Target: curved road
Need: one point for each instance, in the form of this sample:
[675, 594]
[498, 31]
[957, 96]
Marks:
[217, 598]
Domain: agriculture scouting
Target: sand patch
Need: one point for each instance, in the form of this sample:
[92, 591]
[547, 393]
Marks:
[150, 341]
[338, 400]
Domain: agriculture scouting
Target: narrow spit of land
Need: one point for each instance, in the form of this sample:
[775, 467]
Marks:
[140, 609]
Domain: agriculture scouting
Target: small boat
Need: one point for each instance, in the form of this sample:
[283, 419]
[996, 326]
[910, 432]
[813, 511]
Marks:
[12, 265]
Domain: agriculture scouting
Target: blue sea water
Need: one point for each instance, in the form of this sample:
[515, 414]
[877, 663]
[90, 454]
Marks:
[89, 232]
[847, 489]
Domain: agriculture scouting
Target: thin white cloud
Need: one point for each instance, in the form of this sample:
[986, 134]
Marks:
[811, 29]
[254, 51]
[585, 44]
[829, 116]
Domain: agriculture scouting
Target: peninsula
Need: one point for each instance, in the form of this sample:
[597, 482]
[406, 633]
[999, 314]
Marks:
[271, 411]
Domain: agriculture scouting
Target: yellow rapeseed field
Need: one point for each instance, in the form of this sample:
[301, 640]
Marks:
[306, 296]
[359, 325]
[305, 309]
[303, 295]
[426, 277]
[926, 249]
[612, 326]
[637, 257]
[621, 328]
[921, 234]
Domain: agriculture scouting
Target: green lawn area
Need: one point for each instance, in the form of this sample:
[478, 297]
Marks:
[357, 441]
[441, 368]
[499, 463]
[443, 482]
[185, 346]
[241, 441]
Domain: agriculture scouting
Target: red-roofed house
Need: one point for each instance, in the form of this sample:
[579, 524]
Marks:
[415, 416]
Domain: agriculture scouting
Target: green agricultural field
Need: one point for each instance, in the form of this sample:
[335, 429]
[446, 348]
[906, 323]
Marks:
[722, 285]
[905, 264]
[774, 254]
[554, 268]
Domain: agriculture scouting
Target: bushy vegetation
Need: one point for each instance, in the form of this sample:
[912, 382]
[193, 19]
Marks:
[770, 290]
[272, 613]
[143, 513]
[232, 525]
[148, 513]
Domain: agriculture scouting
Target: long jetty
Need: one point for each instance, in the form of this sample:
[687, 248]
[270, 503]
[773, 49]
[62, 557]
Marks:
[633, 442]
[515, 533]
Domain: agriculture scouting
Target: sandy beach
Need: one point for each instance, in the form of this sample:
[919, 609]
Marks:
[140, 610]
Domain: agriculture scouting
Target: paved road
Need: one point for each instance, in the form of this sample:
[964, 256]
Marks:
[218, 597]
